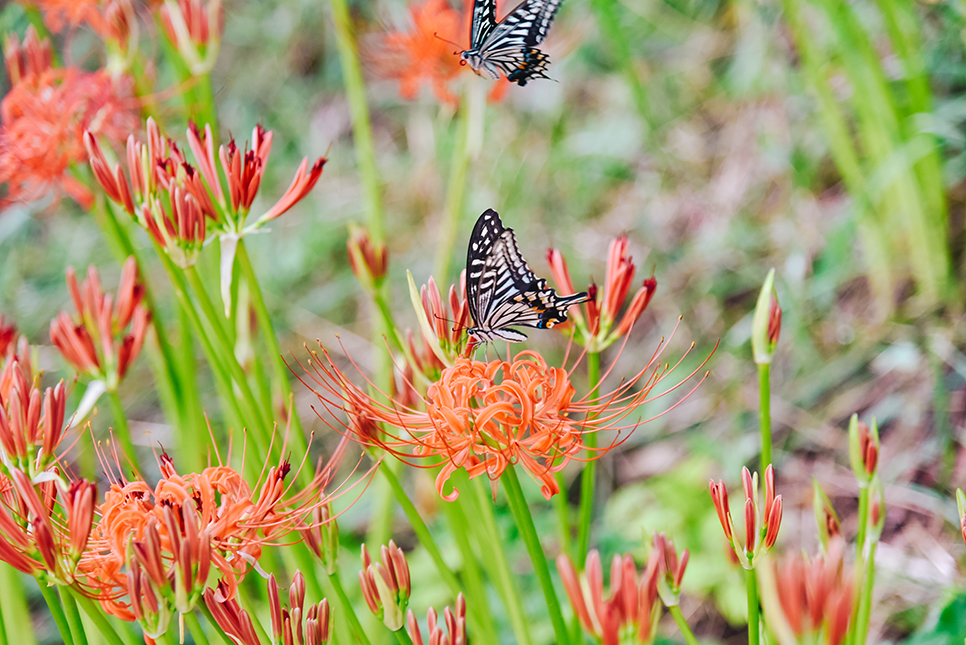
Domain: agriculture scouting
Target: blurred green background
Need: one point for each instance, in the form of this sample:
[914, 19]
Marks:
[819, 137]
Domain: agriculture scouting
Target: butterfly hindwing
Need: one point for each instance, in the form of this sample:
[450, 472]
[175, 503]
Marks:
[503, 291]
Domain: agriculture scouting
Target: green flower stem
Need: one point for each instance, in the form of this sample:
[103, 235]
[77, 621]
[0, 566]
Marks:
[751, 584]
[403, 637]
[227, 355]
[861, 632]
[764, 413]
[528, 532]
[297, 439]
[207, 112]
[98, 617]
[585, 513]
[195, 629]
[16, 615]
[56, 612]
[3, 629]
[470, 131]
[347, 609]
[863, 519]
[73, 616]
[682, 624]
[122, 431]
[489, 534]
[195, 442]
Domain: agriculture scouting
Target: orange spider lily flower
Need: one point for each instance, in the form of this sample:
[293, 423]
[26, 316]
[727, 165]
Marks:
[424, 54]
[95, 342]
[455, 624]
[44, 117]
[595, 319]
[631, 605]
[485, 416]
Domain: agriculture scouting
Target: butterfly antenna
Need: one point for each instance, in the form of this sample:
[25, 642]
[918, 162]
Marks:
[449, 41]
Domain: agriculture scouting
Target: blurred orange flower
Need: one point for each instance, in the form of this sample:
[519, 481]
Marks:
[424, 54]
[44, 116]
[485, 416]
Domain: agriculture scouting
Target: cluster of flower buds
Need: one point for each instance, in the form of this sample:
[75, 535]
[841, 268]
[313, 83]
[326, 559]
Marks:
[367, 258]
[386, 586]
[31, 424]
[814, 598]
[296, 624]
[630, 612]
[194, 28]
[761, 525]
[455, 623]
[95, 342]
[767, 322]
[443, 325]
[322, 537]
[595, 319]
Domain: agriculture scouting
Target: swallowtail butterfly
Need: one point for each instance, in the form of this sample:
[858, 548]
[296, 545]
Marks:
[502, 291]
[510, 46]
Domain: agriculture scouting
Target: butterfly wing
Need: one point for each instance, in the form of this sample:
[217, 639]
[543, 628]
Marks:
[520, 65]
[525, 26]
[484, 22]
[487, 231]
[539, 307]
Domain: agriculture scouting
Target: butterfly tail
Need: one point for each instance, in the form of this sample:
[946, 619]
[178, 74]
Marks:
[534, 65]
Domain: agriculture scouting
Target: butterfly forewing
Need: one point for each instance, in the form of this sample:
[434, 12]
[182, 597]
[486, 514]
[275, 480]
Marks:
[502, 290]
[484, 22]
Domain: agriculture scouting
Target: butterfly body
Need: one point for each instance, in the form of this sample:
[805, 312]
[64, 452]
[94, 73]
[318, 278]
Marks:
[509, 46]
[502, 291]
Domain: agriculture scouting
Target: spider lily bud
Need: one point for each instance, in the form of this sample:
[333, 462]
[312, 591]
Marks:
[386, 586]
[829, 526]
[761, 529]
[322, 537]
[195, 31]
[876, 511]
[455, 624]
[368, 259]
[230, 617]
[766, 324]
[863, 450]
[148, 605]
[671, 569]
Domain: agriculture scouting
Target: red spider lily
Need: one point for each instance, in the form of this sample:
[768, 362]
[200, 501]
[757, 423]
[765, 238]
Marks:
[672, 568]
[44, 117]
[863, 450]
[230, 617]
[386, 586]
[761, 529]
[188, 525]
[424, 54]
[767, 322]
[287, 624]
[31, 425]
[8, 334]
[595, 320]
[455, 624]
[631, 607]
[17, 360]
[443, 325]
[368, 259]
[484, 416]
[814, 596]
[194, 28]
[95, 341]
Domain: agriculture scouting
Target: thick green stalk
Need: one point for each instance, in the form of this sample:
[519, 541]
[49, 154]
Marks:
[3, 629]
[470, 130]
[16, 615]
[73, 616]
[195, 629]
[347, 609]
[585, 513]
[863, 519]
[194, 441]
[297, 439]
[122, 431]
[861, 632]
[528, 532]
[751, 585]
[98, 617]
[403, 637]
[56, 612]
[682, 624]
[764, 413]
[488, 533]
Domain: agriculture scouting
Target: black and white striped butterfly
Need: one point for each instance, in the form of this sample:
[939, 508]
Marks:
[502, 291]
[510, 46]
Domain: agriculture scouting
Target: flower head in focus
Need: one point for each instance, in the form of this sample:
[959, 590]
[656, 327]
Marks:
[45, 115]
[424, 53]
[94, 341]
[386, 586]
[486, 416]
[454, 622]
[595, 320]
[630, 609]
[194, 28]
[761, 524]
